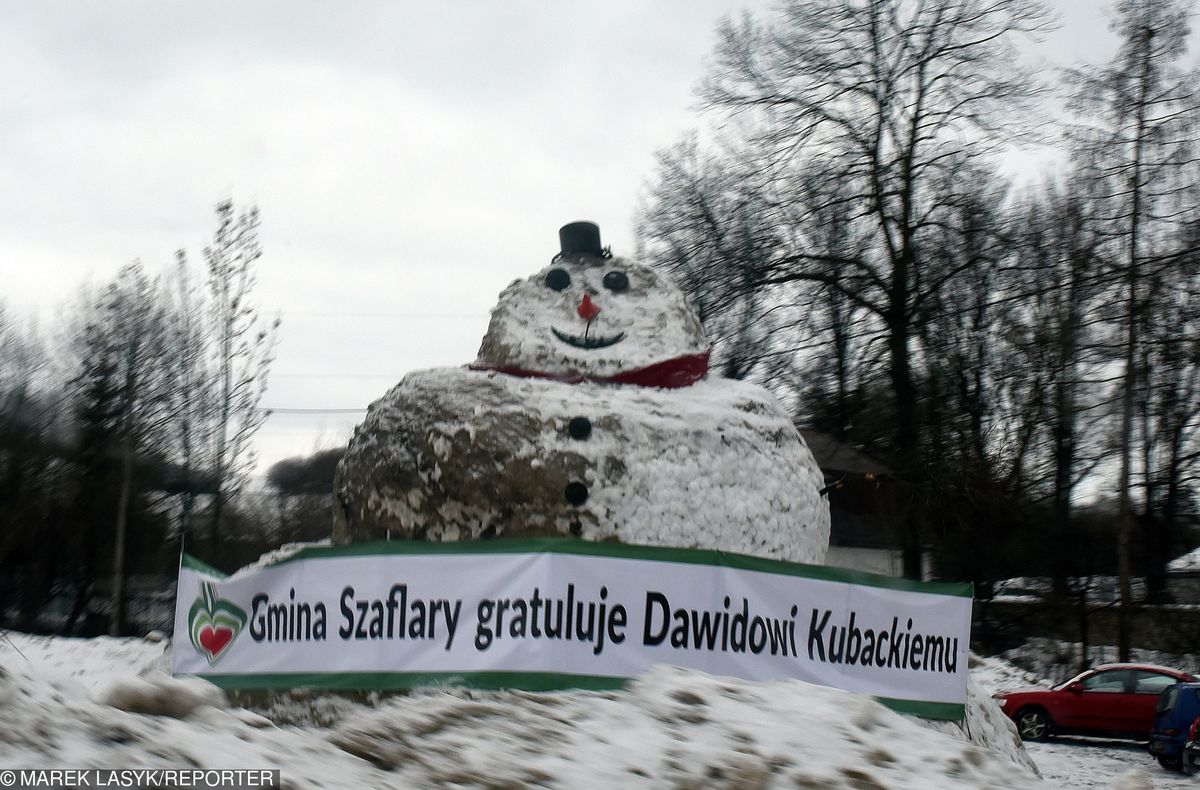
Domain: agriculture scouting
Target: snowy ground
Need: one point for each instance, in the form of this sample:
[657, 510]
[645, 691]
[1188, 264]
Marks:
[1093, 763]
[106, 703]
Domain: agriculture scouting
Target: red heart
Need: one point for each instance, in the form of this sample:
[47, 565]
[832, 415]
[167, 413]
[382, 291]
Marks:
[214, 639]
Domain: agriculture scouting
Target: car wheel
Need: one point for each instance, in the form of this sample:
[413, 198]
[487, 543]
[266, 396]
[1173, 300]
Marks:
[1170, 763]
[1033, 724]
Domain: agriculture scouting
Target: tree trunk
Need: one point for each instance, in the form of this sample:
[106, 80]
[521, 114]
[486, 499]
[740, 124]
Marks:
[1125, 525]
[907, 438]
[1083, 628]
[117, 599]
[907, 444]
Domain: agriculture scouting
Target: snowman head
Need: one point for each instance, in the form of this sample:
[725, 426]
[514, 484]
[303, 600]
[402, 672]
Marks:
[589, 315]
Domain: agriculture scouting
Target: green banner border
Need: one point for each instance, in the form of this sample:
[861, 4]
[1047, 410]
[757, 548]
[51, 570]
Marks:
[188, 561]
[525, 681]
[614, 550]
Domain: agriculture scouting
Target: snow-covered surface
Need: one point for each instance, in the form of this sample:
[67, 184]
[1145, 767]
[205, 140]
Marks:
[455, 454]
[672, 729]
[279, 555]
[1100, 764]
[996, 674]
[1099, 589]
[986, 726]
[1056, 661]
[72, 703]
[533, 325]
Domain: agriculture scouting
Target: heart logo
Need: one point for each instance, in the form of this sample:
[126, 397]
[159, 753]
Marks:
[215, 640]
[214, 623]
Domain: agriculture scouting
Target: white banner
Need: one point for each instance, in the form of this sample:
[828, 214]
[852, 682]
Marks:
[563, 613]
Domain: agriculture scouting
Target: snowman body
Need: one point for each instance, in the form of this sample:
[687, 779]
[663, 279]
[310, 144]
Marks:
[587, 413]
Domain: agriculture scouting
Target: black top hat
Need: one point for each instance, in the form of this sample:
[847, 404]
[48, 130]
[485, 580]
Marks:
[580, 238]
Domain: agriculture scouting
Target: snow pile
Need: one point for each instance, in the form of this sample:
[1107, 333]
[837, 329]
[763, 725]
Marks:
[53, 714]
[985, 724]
[669, 728]
[85, 663]
[157, 694]
[996, 674]
[279, 555]
[452, 454]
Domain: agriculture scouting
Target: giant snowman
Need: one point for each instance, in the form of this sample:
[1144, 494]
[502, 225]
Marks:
[589, 412]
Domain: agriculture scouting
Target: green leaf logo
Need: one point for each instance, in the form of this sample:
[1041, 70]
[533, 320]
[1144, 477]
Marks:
[213, 624]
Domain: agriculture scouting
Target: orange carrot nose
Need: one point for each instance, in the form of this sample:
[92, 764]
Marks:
[587, 310]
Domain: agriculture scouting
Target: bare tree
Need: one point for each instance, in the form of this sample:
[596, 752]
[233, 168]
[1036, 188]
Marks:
[99, 439]
[706, 224]
[137, 324]
[1050, 364]
[28, 414]
[1137, 132]
[959, 330]
[121, 394]
[243, 346]
[1169, 406]
[192, 388]
[887, 100]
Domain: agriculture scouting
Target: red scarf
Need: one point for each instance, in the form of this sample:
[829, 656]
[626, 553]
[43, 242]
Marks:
[671, 374]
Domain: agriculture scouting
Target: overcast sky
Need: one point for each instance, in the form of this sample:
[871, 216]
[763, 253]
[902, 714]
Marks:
[408, 160]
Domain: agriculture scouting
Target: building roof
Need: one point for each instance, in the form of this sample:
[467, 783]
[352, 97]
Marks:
[835, 456]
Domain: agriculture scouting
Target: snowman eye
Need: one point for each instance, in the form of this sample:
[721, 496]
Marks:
[616, 281]
[558, 279]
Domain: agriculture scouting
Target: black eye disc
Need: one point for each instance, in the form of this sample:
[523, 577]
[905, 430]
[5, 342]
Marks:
[616, 281]
[558, 279]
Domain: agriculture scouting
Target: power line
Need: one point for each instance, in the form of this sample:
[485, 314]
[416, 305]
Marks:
[393, 376]
[316, 313]
[350, 314]
[310, 411]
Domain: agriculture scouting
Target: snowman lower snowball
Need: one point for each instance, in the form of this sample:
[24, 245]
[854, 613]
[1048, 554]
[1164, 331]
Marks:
[588, 412]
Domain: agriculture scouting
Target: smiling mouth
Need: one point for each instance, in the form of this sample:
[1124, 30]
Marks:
[588, 342]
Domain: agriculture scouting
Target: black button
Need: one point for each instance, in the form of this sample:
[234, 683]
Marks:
[576, 494]
[579, 427]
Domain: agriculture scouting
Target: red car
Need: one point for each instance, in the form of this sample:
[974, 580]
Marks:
[1113, 699]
